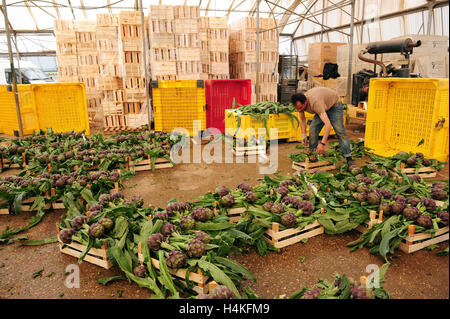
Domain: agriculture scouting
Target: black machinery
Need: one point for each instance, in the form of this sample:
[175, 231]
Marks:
[361, 79]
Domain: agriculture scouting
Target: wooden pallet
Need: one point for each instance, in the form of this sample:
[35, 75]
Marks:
[280, 239]
[235, 213]
[414, 242]
[198, 278]
[96, 256]
[423, 172]
[4, 211]
[5, 162]
[313, 167]
[370, 223]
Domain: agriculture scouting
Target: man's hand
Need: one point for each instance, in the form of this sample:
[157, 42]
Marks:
[320, 148]
[304, 139]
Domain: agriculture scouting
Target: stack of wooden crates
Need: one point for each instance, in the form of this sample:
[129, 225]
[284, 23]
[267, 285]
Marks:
[243, 55]
[214, 54]
[319, 54]
[161, 38]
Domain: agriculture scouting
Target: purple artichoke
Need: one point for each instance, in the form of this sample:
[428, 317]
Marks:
[311, 294]
[96, 230]
[307, 207]
[308, 195]
[187, 222]
[386, 208]
[222, 191]
[412, 200]
[277, 208]
[286, 183]
[362, 188]
[360, 197]
[429, 204]
[411, 161]
[398, 198]
[106, 222]
[154, 241]
[411, 212]
[386, 193]
[172, 208]
[204, 237]
[373, 198]
[398, 207]
[443, 216]
[267, 206]
[359, 292]
[199, 213]
[66, 235]
[424, 221]
[439, 194]
[208, 213]
[104, 199]
[161, 215]
[168, 229]
[243, 187]
[176, 259]
[283, 191]
[140, 271]
[196, 248]
[426, 162]
[351, 186]
[440, 185]
[420, 155]
[251, 197]
[78, 222]
[227, 200]
[222, 292]
[288, 220]
[416, 178]
[381, 171]
[355, 170]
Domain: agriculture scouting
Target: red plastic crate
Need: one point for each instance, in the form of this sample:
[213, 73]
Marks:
[219, 97]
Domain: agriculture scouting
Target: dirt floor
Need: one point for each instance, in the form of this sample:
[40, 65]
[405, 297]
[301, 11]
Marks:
[418, 275]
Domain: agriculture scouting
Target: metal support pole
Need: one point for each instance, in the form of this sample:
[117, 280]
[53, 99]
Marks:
[362, 22]
[323, 20]
[257, 90]
[13, 71]
[430, 17]
[147, 80]
[18, 58]
[350, 53]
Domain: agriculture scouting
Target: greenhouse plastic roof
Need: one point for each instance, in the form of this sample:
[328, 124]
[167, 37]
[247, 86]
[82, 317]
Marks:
[299, 20]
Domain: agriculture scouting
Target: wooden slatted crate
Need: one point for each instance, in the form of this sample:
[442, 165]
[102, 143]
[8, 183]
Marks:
[414, 242]
[145, 165]
[423, 172]
[198, 278]
[96, 256]
[280, 239]
[312, 167]
[372, 222]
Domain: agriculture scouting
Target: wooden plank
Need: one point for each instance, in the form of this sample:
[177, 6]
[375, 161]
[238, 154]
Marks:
[4, 211]
[290, 231]
[422, 236]
[181, 273]
[89, 258]
[275, 237]
[298, 238]
[415, 247]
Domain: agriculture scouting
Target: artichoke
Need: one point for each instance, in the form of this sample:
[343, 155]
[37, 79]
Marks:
[286, 183]
[227, 200]
[373, 198]
[96, 230]
[372, 167]
[66, 235]
[199, 214]
[399, 198]
[311, 294]
[307, 207]
[412, 200]
[154, 241]
[222, 292]
[288, 220]
[426, 162]
[351, 186]
[168, 229]
[222, 191]
[104, 199]
[140, 271]
[411, 161]
[438, 194]
[411, 212]
[360, 197]
[208, 213]
[277, 208]
[204, 237]
[313, 158]
[440, 185]
[443, 216]
[386, 193]
[283, 191]
[308, 195]
[381, 171]
[420, 155]
[251, 197]
[267, 206]
[243, 187]
[196, 248]
[176, 259]
[106, 222]
[362, 188]
[416, 178]
[116, 195]
[398, 207]
[355, 170]
[172, 208]
[386, 208]
[187, 222]
[429, 204]
[359, 292]
[424, 221]
[161, 215]
[78, 222]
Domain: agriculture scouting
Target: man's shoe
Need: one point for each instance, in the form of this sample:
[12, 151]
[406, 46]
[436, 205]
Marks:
[349, 161]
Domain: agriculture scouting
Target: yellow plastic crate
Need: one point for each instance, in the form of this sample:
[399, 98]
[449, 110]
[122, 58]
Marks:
[401, 112]
[61, 106]
[282, 122]
[177, 104]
